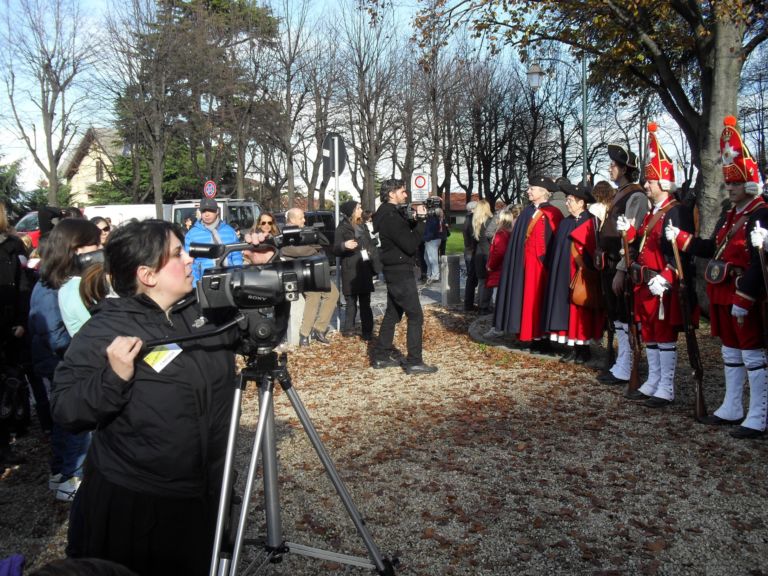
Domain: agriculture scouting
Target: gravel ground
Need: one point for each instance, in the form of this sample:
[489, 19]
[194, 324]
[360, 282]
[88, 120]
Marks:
[501, 463]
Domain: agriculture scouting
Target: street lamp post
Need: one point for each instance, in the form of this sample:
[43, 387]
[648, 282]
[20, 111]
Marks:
[536, 76]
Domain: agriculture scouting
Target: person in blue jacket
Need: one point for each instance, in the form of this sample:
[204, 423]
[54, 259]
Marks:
[211, 229]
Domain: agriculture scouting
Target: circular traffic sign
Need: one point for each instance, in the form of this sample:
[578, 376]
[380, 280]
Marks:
[420, 181]
[209, 189]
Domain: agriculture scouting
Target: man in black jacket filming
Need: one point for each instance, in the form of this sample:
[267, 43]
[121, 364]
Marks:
[400, 239]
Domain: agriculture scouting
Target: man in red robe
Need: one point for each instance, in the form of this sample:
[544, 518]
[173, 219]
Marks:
[523, 280]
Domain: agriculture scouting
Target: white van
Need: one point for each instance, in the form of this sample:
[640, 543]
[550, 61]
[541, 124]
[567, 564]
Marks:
[119, 213]
[241, 212]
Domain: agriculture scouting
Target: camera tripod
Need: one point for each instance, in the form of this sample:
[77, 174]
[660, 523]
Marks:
[265, 369]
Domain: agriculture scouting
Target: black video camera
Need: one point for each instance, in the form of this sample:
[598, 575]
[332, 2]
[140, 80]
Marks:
[88, 259]
[409, 212]
[262, 293]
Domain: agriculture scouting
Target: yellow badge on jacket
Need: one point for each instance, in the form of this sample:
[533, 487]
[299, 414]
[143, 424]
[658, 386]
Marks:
[161, 356]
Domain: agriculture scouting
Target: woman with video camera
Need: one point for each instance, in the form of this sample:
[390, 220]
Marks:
[153, 474]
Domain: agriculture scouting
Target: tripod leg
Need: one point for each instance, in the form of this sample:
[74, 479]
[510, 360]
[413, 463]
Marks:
[271, 487]
[265, 411]
[382, 566]
[226, 486]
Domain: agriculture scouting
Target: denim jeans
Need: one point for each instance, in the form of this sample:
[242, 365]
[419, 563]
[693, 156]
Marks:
[431, 251]
[68, 450]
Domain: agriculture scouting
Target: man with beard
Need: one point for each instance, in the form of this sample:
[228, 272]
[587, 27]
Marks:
[400, 239]
[631, 203]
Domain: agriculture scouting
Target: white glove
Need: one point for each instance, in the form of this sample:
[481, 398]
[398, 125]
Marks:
[671, 232]
[758, 236]
[657, 285]
[738, 312]
[623, 223]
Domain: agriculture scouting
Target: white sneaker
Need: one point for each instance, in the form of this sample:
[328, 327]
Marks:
[53, 481]
[68, 489]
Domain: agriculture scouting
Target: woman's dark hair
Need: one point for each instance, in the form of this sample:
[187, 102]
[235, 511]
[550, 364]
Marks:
[137, 243]
[58, 262]
[99, 220]
[94, 285]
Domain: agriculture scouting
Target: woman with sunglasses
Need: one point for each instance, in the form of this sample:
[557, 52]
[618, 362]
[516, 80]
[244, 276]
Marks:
[266, 224]
[104, 228]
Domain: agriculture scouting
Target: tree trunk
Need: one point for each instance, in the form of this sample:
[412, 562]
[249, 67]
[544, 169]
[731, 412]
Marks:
[157, 168]
[727, 65]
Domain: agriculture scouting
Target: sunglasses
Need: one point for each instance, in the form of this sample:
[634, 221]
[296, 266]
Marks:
[105, 229]
[263, 222]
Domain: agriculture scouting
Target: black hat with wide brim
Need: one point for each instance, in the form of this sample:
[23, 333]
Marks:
[544, 182]
[576, 190]
[621, 155]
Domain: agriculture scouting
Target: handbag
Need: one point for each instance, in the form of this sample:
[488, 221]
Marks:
[585, 288]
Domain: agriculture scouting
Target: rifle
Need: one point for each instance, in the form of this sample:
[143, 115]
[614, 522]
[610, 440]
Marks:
[761, 253]
[694, 356]
[629, 299]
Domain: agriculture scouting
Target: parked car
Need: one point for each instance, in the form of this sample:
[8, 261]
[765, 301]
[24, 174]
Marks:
[29, 225]
[241, 212]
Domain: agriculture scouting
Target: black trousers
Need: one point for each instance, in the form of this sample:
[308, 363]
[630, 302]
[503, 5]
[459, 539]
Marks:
[471, 285]
[402, 297]
[361, 301]
[615, 306]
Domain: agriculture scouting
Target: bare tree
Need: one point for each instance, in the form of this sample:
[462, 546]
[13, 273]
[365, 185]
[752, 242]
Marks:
[46, 51]
[321, 76]
[369, 63]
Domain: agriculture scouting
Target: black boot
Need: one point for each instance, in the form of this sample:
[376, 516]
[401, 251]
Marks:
[583, 354]
[320, 336]
[569, 356]
[303, 340]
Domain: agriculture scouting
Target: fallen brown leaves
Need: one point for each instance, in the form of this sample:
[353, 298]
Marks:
[500, 463]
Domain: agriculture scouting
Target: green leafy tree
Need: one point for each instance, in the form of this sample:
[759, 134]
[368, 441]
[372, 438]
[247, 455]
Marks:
[690, 54]
[10, 192]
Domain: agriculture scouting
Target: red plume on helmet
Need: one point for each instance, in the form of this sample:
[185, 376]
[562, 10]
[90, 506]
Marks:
[659, 167]
[738, 164]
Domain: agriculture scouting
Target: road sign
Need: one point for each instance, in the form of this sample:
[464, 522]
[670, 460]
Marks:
[209, 189]
[330, 144]
[419, 187]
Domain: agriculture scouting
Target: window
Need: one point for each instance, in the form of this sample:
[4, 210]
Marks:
[99, 171]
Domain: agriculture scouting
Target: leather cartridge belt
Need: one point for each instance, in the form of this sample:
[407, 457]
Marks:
[641, 274]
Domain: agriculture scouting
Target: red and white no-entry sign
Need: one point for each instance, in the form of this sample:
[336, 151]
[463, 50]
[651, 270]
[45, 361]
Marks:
[209, 189]
[419, 187]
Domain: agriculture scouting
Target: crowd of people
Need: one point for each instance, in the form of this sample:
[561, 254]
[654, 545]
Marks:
[616, 263]
[138, 435]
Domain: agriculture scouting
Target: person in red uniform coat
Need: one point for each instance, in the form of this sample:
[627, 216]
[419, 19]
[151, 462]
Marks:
[574, 247]
[519, 307]
[734, 286]
[655, 276]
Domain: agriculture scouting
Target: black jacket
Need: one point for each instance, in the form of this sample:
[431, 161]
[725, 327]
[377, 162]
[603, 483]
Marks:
[356, 273]
[400, 239]
[161, 433]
